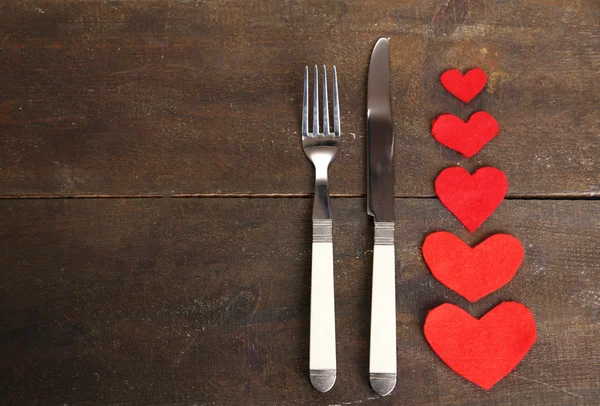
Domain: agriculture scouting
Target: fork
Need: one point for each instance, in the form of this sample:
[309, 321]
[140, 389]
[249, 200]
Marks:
[321, 148]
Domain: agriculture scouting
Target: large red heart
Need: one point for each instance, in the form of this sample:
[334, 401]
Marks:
[466, 86]
[472, 272]
[471, 198]
[483, 351]
[467, 138]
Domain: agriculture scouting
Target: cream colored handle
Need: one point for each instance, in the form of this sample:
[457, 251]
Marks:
[322, 360]
[382, 360]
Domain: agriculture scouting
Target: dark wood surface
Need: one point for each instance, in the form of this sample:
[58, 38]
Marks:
[155, 201]
[185, 97]
[160, 301]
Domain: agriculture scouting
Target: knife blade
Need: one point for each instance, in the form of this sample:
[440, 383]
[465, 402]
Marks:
[380, 205]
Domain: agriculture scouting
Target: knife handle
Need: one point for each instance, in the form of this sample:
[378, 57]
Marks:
[382, 360]
[322, 362]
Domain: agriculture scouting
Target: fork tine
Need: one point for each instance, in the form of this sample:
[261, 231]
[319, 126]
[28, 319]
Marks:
[325, 103]
[316, 104]
[305, 105]
[336, 105]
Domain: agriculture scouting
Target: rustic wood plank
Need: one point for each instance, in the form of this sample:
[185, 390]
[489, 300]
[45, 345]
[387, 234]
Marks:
[193, 97]
[207, 300]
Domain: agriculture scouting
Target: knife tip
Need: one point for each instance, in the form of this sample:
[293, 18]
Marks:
[383, 384]
[382, 45]
[322, 379]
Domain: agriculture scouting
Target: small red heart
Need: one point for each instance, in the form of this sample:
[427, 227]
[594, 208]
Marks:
[471, 198]
[466, 86]
[467, 138]
[472, 272]
[483, 351]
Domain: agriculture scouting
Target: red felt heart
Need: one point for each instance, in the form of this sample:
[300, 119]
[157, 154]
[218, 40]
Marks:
[471, 198]
[467, 138]
[483, 351]
[472, 272]
[466, 86]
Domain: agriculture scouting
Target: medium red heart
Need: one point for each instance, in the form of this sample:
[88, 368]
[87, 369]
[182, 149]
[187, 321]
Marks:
[483, 351]
[466, 86]
[472, 272]
[471, 198]
[467, 138]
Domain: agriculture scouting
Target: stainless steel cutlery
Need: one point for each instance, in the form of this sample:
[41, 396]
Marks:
[380, 205]
[321, 148]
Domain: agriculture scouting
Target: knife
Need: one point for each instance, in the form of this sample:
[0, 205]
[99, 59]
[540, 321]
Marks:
[380, 205]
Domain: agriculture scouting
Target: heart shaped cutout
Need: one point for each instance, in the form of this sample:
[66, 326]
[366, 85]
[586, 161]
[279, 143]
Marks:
[465, 87]
[471, 198]
[472, 272]
[467, 138]
[483, 351]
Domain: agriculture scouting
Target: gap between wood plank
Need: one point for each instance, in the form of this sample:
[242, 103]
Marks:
[588, 196]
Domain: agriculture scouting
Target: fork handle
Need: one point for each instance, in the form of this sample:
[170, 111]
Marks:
[322, 360]
[382, 360]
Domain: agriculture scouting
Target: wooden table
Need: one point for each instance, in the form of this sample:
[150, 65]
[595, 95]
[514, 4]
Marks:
[155, 200]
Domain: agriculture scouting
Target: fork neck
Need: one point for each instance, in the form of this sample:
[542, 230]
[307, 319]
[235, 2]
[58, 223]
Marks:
[321, 204]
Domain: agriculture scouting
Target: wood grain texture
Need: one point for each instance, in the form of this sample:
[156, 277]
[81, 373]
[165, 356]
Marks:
[203, 97]
[184, 300]
[140, 301]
